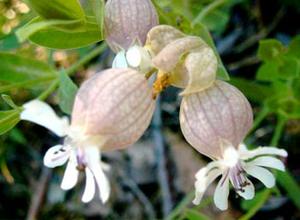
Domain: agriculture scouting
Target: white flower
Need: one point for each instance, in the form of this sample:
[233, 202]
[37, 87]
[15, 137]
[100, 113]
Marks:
[79, 150]
[135, 57]
[233, 168]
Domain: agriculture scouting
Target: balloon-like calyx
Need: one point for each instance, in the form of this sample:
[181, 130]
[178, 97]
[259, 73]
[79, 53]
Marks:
[115, 104]
[216, 116]
[127, 22]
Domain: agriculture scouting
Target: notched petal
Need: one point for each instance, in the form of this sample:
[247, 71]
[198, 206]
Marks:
[262, 174]
[56, 156]
[71, 174]
[267, 161]
[202, 184]
[90, 187]
[221, 194]
[42, 114]
[248, 191]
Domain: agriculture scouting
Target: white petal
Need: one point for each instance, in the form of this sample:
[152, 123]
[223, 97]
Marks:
[120, 60]
[266, 161]
[90, 187]
[94, 164]
[202, 184]
[134, 56]
[139, 57]
[57, 156]
[71, 174]
[221, 193]
[203, 172]
[42, 114]
[262, 151]
[249, 191]
[262, 174]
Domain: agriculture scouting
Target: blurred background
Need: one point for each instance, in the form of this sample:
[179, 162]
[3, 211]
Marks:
[259, 45]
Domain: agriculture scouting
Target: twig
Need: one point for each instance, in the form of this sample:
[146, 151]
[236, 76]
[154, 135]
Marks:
[260, 35]
[38, 194]
[141, 197]
[181, 206]
[149, 210]
[248, 61]
[161, 162]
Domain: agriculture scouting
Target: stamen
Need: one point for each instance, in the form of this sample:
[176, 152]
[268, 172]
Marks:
[238, 178]
[80, 156]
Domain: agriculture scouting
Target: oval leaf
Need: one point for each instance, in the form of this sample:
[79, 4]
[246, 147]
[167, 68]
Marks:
[57, 9]
[67, 92]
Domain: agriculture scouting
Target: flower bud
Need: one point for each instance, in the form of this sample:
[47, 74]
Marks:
[115, 106]
[160, 36]
[190, 63]
[220, 114]
[127, 22]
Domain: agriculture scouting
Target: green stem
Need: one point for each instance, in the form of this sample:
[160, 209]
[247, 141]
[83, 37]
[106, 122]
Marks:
[72, 69]
[260, 117]
[94, 53]
[207, 10]
[44, 95]
[257, 206]
[278, 130]
[181, 206]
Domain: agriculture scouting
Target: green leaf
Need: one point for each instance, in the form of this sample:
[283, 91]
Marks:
[270, 49]
[294, 47]
[289, 68]
[8, 120]
[205, 35]
[268, 72]
[57, 9]
[290, 185]
[17, 136]
[254, 207]
[191, 214]
[98, 7]
[59, 39]
[37, 24]
[296, 88]
[216, 21]
[9, 101]
[253, 90]
[67, 91]
[9, 42]
[22, 72]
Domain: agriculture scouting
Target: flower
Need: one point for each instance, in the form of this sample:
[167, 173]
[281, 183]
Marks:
[185, 61]
[233, 167]
[111, 111]
[215, 122]
[85, 158]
